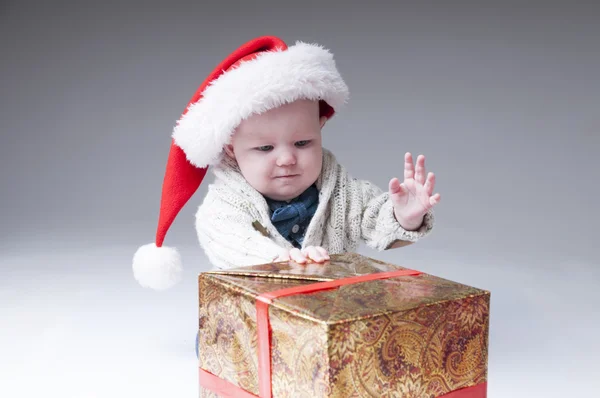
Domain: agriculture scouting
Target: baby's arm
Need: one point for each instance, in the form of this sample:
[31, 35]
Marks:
[228, 238]
[379, 227]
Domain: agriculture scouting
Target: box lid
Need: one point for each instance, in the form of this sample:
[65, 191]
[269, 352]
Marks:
[345, 303]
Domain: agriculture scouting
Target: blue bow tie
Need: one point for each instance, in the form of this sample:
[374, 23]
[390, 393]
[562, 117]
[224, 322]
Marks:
[286, 215]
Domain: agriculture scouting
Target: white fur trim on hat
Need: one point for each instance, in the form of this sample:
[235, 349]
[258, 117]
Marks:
[155, 267]
[303, 71]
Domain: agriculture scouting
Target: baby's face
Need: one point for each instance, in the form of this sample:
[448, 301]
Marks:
[279, 152]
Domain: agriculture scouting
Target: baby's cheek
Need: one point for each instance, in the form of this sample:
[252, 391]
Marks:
[263, 171]
[314, 163]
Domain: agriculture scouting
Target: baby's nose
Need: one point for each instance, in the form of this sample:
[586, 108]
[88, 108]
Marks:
[286, 158]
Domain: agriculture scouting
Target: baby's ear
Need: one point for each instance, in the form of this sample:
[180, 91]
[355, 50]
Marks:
[322, 121]
[229, 150]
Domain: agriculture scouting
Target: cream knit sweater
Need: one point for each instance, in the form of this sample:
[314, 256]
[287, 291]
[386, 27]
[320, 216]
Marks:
[349, 211]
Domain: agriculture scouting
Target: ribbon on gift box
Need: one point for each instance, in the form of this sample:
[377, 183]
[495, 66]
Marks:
[229, 390]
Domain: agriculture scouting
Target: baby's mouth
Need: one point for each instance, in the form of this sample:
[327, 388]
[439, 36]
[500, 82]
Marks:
[288, 176]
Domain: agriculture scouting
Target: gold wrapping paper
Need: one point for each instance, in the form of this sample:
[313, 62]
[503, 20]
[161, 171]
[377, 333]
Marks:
[411, 336]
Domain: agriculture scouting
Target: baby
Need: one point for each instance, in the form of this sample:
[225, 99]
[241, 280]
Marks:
[278, 194]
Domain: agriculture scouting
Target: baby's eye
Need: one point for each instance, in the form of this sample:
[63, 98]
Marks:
[302, 143]
[265, 148]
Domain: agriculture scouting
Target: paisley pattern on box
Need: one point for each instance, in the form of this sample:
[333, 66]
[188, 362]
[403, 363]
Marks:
[415, 336]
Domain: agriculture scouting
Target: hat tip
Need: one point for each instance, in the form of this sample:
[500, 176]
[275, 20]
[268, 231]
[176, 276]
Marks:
[157, 268]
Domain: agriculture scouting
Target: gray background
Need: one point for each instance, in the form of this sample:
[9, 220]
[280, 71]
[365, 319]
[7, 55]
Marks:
[501, 98]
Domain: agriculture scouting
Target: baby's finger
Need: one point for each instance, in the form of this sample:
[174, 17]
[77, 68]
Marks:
[281, 258]
[297, 256]
[435, 199]
[430, 184]
[420, 170]
[312, 253]
[284, 255]
[409, 169]
[395, 187]
[323, 252]
[398, 192]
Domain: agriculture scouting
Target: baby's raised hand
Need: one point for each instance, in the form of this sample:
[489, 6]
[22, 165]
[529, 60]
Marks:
[413, 198]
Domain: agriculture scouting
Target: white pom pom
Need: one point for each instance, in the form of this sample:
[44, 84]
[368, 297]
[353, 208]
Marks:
[155, 267]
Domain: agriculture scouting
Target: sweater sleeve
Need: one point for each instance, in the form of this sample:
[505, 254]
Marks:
[379, 227]
[228, 238]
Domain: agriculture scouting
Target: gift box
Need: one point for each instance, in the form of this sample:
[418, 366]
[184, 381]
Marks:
[352, 327]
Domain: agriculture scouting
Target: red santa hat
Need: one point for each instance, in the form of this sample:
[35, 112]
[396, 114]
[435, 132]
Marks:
[262, 74]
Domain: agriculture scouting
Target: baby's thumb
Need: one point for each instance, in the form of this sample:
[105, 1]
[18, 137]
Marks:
[395, 188]
[284, 255]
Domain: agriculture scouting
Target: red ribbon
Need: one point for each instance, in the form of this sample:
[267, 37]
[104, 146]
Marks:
[262, 316]
[476, 391]
[222, 387]
[229, 390]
